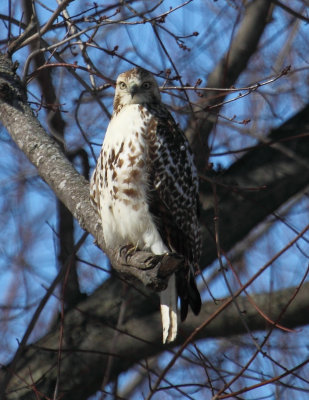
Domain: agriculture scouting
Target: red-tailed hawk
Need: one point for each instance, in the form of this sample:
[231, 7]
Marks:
[145, 188]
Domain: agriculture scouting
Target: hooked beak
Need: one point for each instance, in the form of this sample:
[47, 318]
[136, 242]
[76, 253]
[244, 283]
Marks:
[133, 90]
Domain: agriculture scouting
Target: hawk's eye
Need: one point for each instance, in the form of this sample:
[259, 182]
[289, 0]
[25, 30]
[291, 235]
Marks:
[122, 85]
[146, 85]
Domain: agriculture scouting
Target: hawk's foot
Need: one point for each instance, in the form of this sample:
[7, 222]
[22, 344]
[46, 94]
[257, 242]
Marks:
[128, 249]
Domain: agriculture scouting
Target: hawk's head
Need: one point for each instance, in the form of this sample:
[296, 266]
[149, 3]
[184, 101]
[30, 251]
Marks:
[135, 86]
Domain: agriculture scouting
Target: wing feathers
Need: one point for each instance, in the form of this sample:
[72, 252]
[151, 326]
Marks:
[173, 199]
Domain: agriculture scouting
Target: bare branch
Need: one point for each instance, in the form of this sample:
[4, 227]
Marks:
[291, 11]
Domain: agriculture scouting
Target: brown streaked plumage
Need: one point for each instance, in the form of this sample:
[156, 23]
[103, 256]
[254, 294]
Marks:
[145, 187]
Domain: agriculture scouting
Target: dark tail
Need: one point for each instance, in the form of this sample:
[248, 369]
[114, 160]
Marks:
[188, 293]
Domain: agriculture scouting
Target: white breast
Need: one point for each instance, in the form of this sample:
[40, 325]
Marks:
[123, 196]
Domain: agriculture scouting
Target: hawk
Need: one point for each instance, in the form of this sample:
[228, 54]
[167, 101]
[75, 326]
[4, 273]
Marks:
[145, 188]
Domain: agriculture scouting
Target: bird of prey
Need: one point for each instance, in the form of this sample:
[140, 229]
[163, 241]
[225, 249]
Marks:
[145, 189]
